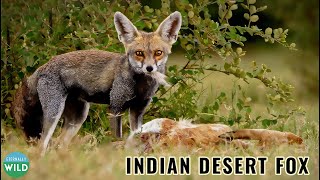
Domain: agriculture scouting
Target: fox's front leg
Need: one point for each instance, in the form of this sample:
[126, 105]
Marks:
[115, 116]
[137, 111]
[116, 125]
[121, 92]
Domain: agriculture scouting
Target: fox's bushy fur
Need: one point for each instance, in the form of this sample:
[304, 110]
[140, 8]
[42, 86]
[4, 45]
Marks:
[66, 85]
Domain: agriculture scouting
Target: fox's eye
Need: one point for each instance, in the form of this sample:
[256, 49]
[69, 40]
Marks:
[139, 53]
[158, 53]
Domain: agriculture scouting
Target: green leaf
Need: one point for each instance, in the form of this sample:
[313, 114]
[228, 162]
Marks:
[190, 14]
[240, 29]
[231, 122]
[236, 61]
[254, 18]
[227, 66]
[234, 7]
[216, 106]
[249, 74]
[268, 31]
[205, 41]
[267, 122]
[155, 99]
[240, 107]
[249, 30]
[251, 1]
[229, 15]
[246, 16]
[262, 8]
[189, 47]
[244, 6]
[252, 9]
[21, 75]
[222, 94]
[30, 69]
[173, 68]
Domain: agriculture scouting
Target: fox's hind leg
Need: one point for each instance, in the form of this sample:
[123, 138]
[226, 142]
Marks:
[266, 138]
[52, 96]
[75, 113]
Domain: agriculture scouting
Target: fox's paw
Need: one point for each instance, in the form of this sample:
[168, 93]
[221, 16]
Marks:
[229, 136]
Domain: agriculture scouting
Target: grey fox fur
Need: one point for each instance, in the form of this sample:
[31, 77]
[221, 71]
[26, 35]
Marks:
[65, 85]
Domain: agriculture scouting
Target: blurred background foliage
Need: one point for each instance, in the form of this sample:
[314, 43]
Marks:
[33, 31]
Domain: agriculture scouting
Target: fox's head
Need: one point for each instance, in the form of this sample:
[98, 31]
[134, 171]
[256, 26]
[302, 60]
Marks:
[148, 52]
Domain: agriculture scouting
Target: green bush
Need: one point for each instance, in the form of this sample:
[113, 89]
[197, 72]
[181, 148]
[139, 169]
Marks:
[34, 31]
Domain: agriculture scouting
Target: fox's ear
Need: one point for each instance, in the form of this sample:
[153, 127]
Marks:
[125, 29]
[170, 27]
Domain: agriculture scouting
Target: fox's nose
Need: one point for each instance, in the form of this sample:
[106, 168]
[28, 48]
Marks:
[149, 68]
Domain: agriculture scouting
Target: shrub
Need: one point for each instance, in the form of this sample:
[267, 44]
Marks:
[34, 31]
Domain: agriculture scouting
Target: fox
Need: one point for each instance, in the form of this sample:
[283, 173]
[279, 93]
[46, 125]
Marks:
[65, 86]
[163, 133]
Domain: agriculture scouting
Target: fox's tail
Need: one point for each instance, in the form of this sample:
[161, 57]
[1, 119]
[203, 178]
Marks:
[26, 109]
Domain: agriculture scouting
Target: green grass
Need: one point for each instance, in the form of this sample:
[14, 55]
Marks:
[86, 159]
